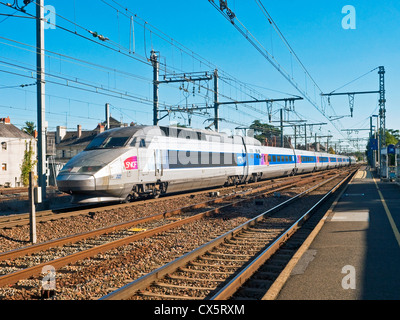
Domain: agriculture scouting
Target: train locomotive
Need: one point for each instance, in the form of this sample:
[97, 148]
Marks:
[127, 163]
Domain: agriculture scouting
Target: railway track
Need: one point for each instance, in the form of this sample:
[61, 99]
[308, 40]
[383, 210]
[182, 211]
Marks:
[147, 228]
[219, 268]
[156, 223]
[18, 220]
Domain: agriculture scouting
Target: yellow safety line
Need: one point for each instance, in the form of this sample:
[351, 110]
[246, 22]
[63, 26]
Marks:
[392, 223]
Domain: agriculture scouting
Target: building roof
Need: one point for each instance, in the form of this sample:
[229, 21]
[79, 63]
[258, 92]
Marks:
[8, 130]
[71, 138]
[114, 123]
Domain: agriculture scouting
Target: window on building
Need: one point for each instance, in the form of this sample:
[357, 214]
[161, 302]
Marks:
[4, 145]
[4, 166]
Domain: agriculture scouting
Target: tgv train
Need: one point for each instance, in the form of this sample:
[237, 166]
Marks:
[131, 162]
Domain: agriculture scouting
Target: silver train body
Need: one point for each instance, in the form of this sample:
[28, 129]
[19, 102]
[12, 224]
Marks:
[127, 163]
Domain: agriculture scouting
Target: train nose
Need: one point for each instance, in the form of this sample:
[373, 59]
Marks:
[76, 182]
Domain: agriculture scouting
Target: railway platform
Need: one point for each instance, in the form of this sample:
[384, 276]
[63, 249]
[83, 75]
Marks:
[356, 253]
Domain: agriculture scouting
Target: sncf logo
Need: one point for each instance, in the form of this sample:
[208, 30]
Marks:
[131, 163]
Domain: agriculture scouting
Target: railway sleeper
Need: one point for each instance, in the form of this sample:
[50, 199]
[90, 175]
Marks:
[176, 277]
[250, 238]
[204, 271]
[266, 275]
[241, 246]
[165, 296]
[248, 290]
[244, 256]
[175, 286]
[219, 259]
[211, 268]
[207, 265]
[193, 292]
[248, 241]
[259, 283]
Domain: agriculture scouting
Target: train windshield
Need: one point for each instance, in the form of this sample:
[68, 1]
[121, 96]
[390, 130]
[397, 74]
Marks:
[107, 142]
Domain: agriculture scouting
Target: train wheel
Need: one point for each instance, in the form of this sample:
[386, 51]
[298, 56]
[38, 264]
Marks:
[132, 197]
[155, 195]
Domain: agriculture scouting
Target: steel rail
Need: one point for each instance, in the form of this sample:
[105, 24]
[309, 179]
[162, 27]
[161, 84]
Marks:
[89, 234]
[60, 262]
[229, 289]
[145, 281]
[46, 215]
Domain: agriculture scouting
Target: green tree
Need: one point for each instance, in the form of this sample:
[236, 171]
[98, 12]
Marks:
[392, 136]
[27, 164]
[264, 130]
[29, 128]
[331, 151]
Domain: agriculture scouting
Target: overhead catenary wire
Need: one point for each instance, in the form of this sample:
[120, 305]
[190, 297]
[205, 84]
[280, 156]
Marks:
[192, 53]
[233, 19]
[116, 47]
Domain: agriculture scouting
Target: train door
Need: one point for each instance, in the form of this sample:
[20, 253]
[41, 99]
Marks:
[246, 164]
[158, 163]
[295, 165]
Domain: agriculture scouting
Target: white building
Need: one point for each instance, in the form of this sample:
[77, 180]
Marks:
[13, 143]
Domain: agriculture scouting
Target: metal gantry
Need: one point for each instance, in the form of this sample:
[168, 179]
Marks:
[382, 106]
[175, 78]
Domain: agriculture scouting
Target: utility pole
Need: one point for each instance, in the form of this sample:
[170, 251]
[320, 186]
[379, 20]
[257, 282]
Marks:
[327, 141]
[156, 72]
[216, 104]
[372, 152]
[382, 112]
[107, 116]
[305, 131]
[282, 128]
[40, 72]
[316, 142]
[281, 121]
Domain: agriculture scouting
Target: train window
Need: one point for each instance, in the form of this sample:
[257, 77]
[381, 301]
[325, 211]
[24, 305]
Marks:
[142, 143]
[96, 143]
[286, 159]
[104, 142]
[133, 143]
[274, 158]
[269, 158]
[115, 142]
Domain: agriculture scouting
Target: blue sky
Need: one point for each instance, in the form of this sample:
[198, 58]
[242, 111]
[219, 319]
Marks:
[183, 31]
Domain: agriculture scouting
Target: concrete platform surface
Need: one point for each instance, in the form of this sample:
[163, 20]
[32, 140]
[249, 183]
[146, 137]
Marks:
[356, 254]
